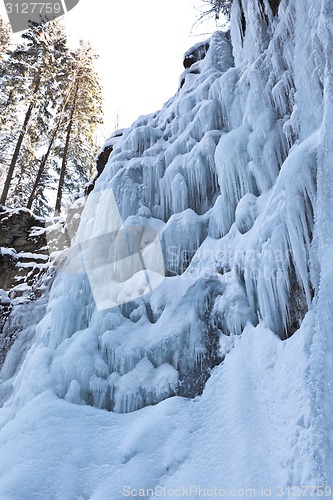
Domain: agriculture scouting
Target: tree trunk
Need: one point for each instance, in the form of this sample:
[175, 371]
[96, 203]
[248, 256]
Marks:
[64, 159]
[18, 146]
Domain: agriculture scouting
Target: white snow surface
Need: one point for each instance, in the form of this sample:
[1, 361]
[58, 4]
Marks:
[235, 176]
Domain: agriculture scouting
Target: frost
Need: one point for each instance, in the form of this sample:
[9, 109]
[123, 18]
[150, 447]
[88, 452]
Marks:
[218, 189]
[231, 182]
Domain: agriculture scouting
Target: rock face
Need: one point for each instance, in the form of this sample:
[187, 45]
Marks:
[16, 230]
[195, 54]
[8, 269]
[103, 157]
[192, 59]
[24, 261]
[23, 248]
[274, 4]
[28, 247]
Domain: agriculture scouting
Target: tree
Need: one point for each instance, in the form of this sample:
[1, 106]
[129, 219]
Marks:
[214, 9]
[42, 165]
[6, 86]
[83, 113]
[5, 38]
[38, 64]
[50, 106]
[19, 144]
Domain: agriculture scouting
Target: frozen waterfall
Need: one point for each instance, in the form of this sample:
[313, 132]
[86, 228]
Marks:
[229, 191]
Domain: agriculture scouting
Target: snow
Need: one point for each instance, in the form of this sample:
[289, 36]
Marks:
[9, 251]
[178, 443]
[29, 255]
[4, 299]
[187, 336]
[34, 264]
[114, 138]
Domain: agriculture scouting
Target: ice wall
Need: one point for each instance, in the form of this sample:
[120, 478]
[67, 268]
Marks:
[227, 175]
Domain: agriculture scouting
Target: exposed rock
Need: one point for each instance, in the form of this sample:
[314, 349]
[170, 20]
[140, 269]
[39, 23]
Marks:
[15, 230]
[24, 266]
[8, 271]
[195, 54]
[23, 249]
[103, 158]
[274, 6]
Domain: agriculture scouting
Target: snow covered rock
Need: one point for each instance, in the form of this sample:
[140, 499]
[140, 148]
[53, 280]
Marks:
[103, 157]
[15, 230]
[23, 248]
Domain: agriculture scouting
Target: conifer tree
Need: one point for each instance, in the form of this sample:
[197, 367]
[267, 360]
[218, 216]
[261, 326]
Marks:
[83, 113]
[50, 105]
[4, 38]
[5, 98]
[38, 64]
[214, 8]
[37, 185]
[5, 93]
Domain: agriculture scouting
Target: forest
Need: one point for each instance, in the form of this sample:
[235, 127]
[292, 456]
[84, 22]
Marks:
[50, 110]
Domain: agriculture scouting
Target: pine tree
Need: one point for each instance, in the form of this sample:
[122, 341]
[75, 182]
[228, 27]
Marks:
[37, 185]
[50, 102]
[83, 113]
[214, 8]
[38, 62]
[6, 92]
[4, 38]
[4, 45]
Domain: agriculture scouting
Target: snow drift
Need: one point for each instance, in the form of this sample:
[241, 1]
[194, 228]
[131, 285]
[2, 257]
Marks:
[234, 177]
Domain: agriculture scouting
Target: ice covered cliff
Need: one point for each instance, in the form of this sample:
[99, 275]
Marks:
[232, 182]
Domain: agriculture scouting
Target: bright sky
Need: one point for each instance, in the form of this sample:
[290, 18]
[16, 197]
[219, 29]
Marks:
[141, 44]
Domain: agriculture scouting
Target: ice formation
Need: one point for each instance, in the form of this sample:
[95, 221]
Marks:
[233, 178]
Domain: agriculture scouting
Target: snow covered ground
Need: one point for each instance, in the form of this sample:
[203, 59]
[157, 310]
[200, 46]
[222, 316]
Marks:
[218, 367]
[252, 428]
